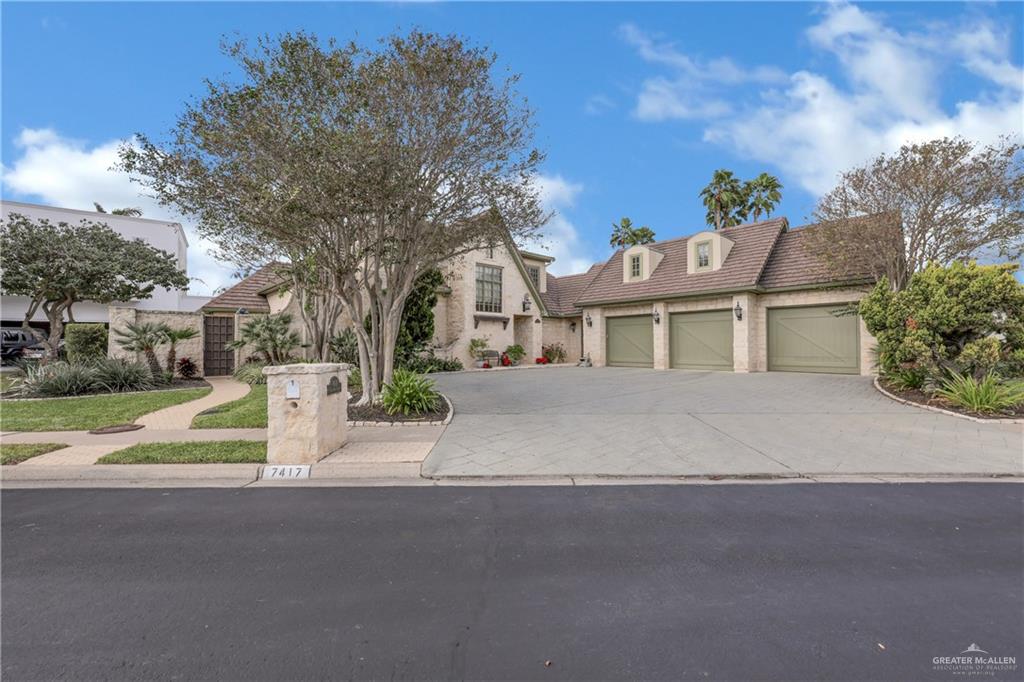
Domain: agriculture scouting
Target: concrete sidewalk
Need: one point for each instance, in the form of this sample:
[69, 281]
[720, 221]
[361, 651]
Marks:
[177, 417]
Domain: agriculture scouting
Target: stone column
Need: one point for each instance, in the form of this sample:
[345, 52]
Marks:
[744, 338]
[662, 352]
[593, 335]
[307, 411]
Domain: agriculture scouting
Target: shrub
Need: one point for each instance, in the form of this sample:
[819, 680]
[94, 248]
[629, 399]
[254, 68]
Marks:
[187, 369]
[57, 379]
[85, 342]
[344, 347]
[251, 373]
[554, 353]
[429, 364]
[117, 375]
[907, 379]
[271, 336]
[941, 320]
[355, 380]
[515, 353]
[477, 346]
[408, 393]
[986, 395]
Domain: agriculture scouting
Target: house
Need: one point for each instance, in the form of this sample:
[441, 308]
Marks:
[164, 235]
[749, 298]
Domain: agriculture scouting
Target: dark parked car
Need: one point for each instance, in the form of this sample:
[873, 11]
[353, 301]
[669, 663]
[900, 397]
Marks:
[16, 344]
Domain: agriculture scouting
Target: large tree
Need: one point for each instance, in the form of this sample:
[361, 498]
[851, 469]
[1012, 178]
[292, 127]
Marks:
[624, 234]
[941, 201]
[761, 195]
[58, 265]
[372, 165]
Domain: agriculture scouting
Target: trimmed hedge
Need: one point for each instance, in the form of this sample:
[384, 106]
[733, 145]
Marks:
[85, 342]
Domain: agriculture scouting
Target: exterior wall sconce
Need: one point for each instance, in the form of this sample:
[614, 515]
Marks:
[738, 310]
[590, 322]
[572, 327]
[526, 303]
[657, 317]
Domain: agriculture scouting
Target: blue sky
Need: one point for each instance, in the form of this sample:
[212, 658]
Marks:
[636, 104]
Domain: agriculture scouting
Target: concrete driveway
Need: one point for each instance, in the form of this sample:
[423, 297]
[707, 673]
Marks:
[641, 422]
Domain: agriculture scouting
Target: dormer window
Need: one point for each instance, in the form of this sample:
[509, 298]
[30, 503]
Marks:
[634, 266]
[704, 255]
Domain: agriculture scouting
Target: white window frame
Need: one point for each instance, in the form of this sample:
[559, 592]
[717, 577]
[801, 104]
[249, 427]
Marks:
[636, 268]
[696, 255]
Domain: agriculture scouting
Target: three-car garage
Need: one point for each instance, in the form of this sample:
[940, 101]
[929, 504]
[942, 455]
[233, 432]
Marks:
[819, 338]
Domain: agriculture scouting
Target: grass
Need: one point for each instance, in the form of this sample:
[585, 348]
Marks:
[13, 453]
[7, 381]
[92, 412]
[249, 412]
[202, 452]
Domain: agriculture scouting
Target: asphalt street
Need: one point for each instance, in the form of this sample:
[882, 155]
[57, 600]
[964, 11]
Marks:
[733, 582]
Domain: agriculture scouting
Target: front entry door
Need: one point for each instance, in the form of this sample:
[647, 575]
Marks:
[219, 330]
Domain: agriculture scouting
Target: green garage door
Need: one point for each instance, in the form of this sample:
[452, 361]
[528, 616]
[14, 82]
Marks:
[630, 341]
[701, 340]
[813, 339]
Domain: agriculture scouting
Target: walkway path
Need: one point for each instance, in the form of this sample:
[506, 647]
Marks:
[225, 389]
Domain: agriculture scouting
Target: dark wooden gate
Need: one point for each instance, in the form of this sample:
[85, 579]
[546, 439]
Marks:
[219, 330]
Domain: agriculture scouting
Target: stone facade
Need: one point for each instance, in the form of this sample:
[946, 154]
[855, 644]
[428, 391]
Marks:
[567, 331]
[750, 335]
[515, 323]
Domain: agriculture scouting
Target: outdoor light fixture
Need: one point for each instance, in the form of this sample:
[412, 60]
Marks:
[590, 322]
[738, 310]
[657, 317]
[242, 311]
[572, 327]
[526, 303]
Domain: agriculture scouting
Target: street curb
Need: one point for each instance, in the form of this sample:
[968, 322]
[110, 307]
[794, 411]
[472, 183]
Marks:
[951, 413]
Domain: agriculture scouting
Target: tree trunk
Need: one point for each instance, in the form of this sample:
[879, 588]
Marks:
[172, 356]
[55, 316]
[154, 364]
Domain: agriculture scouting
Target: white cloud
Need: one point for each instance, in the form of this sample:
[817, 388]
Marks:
[597, 105]
[560, 239]
[688, 92]
[62, 172]
[888, 93]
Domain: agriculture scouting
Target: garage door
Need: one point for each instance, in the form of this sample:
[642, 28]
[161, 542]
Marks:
[701, 340]
[630, 341]
[813, 339]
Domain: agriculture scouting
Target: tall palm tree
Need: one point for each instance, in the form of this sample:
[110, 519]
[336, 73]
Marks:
[144, 337]
[624, 234]
[763, 195]
[173, 336]
[724, 199]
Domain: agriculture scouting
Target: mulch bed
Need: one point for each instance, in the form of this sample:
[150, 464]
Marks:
[376, 413]
[922, 398]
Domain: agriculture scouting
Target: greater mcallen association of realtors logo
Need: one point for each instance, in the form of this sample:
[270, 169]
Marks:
[975, 662]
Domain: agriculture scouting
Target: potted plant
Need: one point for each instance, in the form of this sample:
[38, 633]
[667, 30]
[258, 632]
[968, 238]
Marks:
[515, 354]
[477, 347]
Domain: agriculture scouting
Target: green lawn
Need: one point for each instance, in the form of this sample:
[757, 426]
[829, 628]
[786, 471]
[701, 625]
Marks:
[92, 412]
[249, 412]
[12, 453]
[202, 452]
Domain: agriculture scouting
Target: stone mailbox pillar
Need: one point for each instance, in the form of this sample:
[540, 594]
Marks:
[307, 411]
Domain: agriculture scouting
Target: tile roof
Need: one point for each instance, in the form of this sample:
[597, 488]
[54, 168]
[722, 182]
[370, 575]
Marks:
[246, 294]
[752, 245]
[793, 264]
[562, 292]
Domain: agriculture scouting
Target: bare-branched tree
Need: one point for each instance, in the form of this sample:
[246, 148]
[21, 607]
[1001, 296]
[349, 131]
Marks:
[940, 201]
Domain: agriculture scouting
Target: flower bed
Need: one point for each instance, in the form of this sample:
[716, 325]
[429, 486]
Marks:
[376, 413]
[919, 397]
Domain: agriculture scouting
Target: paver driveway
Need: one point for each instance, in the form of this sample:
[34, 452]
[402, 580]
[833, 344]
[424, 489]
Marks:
[618, 421]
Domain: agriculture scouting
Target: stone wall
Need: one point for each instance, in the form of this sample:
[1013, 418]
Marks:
[192, 348]
[557, 330]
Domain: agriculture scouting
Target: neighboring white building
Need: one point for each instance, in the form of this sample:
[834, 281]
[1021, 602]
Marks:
[161, 234]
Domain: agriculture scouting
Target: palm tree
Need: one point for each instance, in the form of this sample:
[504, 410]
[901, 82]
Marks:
[144, 337]
[624, 234]
[724, 199]
[270, 335]
[173, 336]
[763, 195]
